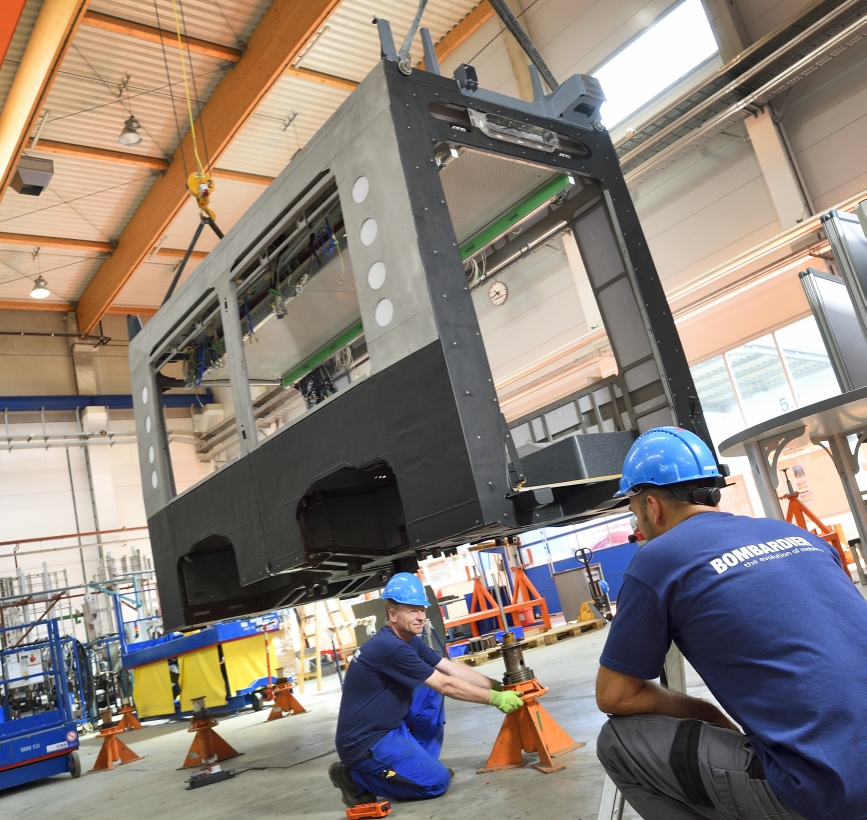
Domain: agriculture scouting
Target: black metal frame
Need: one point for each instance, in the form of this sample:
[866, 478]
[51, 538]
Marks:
[412, 459]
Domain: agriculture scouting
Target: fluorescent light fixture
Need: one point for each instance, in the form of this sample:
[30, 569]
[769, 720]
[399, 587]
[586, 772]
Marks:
[40, 289]
[655, 60]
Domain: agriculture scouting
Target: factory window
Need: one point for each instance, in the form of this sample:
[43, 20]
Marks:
[766, 377]
[807, 361]
[667, 51]
[718, 399]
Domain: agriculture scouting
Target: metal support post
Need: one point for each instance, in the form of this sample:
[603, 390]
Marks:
[764, 481]
[843, 458]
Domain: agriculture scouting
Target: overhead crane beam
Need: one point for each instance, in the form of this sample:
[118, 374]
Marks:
[283, 31]
[66, 307]
[92, 246]
[197, 46]
[52, 35]
[155, 35]
[69, 149]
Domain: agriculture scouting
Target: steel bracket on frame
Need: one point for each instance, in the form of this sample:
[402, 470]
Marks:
[776, 446]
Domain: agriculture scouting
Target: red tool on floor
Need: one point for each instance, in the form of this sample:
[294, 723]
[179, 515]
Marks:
[530, 728]
[365, 810]
[285, 702]
[114, 751]
[207, 747]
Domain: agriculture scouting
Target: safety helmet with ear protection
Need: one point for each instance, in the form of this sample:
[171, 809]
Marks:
[671, 455]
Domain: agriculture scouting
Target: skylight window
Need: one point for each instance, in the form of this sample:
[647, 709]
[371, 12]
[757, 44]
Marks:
[658, 58]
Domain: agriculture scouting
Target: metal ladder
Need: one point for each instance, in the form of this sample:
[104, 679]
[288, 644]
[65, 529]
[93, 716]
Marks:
[612, 803]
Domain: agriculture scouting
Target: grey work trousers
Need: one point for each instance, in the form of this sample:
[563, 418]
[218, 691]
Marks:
[671, 769]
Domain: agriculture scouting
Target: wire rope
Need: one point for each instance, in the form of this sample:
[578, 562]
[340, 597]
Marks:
[187, 88]
[171, 91]
[195, 88]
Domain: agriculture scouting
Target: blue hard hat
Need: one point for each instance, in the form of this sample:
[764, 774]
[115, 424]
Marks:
[666, 455]
[405, 588]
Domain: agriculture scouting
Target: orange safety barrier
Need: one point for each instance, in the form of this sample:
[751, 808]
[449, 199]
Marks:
[529, 729]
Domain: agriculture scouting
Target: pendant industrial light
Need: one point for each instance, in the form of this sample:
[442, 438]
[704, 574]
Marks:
[130, 134]
[40, 289]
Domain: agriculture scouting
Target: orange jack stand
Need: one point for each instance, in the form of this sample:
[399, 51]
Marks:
[127, 719]
[530, 729]
[113, 748]
[285, 702]
[365, 810]
[207, 747]
[798, 513]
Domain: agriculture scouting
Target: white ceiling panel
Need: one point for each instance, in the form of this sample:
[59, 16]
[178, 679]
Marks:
[84, 200]
[266, 144]
[66, 271]
[84, 103]
[348, 44]
[227, 22]
[148, 285]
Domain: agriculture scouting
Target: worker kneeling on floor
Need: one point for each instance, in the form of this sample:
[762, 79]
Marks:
[767, 616]
[392, 712]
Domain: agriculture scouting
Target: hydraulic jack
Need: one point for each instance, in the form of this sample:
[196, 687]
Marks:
[207, 747]
[531, 728]
[285, 702]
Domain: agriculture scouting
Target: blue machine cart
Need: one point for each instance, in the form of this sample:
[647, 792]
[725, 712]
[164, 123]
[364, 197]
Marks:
[175, 645]
[38, 736]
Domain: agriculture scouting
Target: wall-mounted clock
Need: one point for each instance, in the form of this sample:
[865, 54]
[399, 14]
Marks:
[498, 293]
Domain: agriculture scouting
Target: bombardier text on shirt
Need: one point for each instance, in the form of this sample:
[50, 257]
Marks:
[759, 552]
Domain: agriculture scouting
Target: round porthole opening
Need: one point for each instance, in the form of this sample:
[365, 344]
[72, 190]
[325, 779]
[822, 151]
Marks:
[376, 275]
[384, 312]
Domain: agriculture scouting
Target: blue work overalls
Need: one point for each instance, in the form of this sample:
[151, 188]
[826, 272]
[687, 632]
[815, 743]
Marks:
[404, 764]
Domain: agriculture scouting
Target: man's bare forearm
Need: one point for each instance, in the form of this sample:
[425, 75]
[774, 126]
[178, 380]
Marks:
[464, 673]
[657, 700]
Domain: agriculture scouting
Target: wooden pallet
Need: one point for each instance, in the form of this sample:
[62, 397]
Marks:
[552, 636]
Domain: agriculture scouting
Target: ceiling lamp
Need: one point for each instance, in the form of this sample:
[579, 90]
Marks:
[130, 134]
[40, 289]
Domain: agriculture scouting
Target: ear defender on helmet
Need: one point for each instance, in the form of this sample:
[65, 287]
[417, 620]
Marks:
[708, 496]
[705, 496]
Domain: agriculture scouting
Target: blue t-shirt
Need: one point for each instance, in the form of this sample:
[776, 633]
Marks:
[378, 690]
[778, 633]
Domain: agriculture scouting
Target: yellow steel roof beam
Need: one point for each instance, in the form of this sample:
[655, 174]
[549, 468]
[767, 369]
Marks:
[278, 39]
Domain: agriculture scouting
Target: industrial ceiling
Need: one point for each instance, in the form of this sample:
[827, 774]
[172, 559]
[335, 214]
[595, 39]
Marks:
[261, 79]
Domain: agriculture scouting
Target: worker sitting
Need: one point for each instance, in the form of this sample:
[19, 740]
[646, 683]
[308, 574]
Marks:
[392, 713]
[775, 627]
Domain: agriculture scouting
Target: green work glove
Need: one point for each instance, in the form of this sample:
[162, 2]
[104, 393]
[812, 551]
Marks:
[505, 701]
[496, 685]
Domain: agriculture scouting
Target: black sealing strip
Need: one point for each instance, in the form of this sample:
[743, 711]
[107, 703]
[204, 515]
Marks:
[684, 763]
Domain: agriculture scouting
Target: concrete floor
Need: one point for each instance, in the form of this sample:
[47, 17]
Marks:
[283, 770]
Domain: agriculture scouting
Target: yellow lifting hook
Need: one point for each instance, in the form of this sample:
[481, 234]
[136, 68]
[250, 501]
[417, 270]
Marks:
[201, 185]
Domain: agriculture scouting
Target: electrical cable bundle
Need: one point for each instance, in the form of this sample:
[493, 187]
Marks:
[201, 358]
[316, 386]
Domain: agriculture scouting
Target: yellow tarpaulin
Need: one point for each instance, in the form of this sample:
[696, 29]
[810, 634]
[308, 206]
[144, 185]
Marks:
[201, 678]
[152, 690]
[245, 661]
